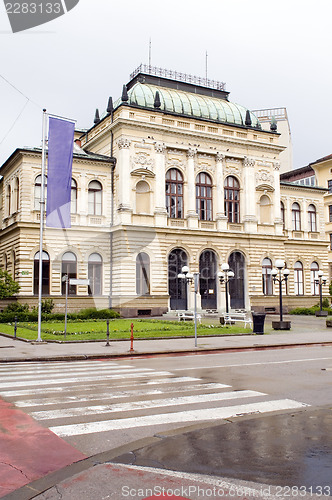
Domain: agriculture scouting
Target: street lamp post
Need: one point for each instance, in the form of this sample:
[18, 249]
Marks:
[224, 276]
[320, 282]
[282, 277]
[191, 278]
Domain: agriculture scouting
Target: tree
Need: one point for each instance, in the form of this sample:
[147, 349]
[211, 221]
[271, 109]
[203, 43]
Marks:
[8, 287]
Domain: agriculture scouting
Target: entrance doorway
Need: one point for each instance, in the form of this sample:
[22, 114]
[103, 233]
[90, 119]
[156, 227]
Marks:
[236, 262]
[207, 281]
[177, 288]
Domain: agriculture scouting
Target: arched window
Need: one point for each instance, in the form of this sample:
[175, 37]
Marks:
[95, 265]
[142, 274]
[177, 287]
[142, 198]
[265, 209]
[45, 274]
[267, 277]
[312, 218]
[9, 200]
[298, 278]
[17, 195]
[95, 198]
[204, 196]
[69, 268]
[37, 194]
[296, 217]
[232, 199]
[174, 193]
[282, 214]
[207, 279]
[314, 283]
[73, 197]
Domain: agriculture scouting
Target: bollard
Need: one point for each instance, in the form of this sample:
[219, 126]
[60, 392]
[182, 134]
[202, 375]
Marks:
[108, 333]
[15, 327]
[132, 337]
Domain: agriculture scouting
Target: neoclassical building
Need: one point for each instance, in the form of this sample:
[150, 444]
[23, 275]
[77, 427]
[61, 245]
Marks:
[172, 174]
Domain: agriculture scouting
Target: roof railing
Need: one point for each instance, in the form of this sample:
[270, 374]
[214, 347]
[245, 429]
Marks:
[176, 75]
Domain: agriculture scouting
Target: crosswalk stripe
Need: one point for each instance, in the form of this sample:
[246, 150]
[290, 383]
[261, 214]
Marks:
[179, 417]
[142, 405]
[65, 400]
[37, 365]
[50, 390]
[38, 376]
[82, 379]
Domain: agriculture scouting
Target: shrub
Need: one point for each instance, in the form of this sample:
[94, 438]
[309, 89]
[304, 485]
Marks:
[8, 287]
[93, 313]
[16, 307]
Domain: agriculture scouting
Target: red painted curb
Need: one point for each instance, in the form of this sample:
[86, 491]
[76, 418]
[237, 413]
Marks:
[28, 451]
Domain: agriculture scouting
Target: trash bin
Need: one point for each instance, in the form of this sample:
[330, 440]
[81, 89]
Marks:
[258, 323]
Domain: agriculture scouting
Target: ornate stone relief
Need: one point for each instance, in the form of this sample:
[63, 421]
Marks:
[175, 163]
[232, 170]
[142, 160]
[276, 165]
[264, 177]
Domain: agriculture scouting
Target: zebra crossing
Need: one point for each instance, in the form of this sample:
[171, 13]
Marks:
[87, 397]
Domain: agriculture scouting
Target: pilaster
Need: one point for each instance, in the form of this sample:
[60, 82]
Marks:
[160, 212]
[123, 166]
[278, 224]
[221, 218]
[192, 215]
[249, 217]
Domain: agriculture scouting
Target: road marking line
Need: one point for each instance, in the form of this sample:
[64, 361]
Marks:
[32, 365]
[179, 417]
[65, 400]
[250, 364]
[142, 405]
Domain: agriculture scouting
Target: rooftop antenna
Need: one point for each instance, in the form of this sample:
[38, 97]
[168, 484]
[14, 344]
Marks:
[150, 52]
[206, 65]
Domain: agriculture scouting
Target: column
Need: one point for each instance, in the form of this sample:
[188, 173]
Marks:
[160, 213]
[125, 193]
[221, 218]
[192, 216]
[278, 226]
[249, 217]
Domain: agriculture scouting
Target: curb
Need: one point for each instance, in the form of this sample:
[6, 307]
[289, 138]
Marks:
[179, 352]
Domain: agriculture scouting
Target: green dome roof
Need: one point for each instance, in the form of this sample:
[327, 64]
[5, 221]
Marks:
[189, 104]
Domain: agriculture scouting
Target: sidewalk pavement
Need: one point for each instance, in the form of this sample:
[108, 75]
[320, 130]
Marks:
[94, 477]
[305, 330]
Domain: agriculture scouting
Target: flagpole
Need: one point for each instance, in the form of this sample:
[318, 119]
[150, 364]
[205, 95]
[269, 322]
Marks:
[42, 210]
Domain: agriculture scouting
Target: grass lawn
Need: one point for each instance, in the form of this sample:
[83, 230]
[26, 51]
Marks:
[119, 329]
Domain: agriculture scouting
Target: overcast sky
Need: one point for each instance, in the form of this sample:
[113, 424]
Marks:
[269, 53]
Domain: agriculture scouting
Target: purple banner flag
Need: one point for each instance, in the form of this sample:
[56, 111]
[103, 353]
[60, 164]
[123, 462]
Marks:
[60, 159]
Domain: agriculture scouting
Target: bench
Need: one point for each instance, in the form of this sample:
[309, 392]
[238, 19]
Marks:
[189, 315]
[235, 317]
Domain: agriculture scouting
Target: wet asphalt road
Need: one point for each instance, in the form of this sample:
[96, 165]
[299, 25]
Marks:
[292, 450]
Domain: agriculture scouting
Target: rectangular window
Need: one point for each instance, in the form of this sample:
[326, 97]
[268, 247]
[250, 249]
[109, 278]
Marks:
[329, 185]
[330, 241]
[330, 213]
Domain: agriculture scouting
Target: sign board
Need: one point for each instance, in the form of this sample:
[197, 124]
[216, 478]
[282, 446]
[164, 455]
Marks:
[74, 281]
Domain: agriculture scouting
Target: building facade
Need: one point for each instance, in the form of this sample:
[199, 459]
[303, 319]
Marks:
[172, 174]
